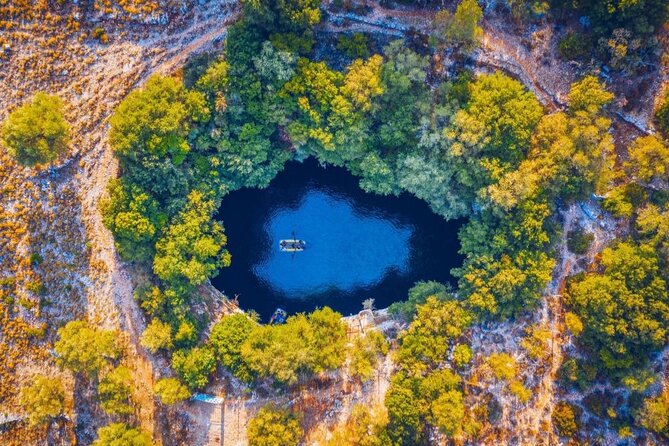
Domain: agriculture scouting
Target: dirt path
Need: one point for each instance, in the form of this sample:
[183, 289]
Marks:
[101, 76]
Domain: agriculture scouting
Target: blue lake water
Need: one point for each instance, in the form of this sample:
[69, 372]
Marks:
[346, 249]
[359, 245]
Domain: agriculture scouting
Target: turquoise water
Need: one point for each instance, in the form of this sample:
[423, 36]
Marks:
[346, 249]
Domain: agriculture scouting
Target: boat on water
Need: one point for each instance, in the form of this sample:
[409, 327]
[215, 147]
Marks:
[279, 317]
[292, 245]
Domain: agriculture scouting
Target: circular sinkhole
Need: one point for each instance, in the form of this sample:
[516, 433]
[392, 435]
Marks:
[358, 245]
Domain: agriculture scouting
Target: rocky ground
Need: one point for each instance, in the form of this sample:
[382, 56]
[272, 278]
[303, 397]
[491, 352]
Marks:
[54, 212]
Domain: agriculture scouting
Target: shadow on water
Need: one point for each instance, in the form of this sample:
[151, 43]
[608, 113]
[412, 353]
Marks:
[359, 245]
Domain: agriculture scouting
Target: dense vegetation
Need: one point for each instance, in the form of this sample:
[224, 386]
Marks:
[476, 146]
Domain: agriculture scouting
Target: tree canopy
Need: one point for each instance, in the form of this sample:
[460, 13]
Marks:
[273, 426]
[625, 309]
[85, 349]
[44, 399]
[121, 434]
[36, 132]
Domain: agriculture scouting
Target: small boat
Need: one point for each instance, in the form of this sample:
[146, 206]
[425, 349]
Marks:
[279, 317]
[292, 245]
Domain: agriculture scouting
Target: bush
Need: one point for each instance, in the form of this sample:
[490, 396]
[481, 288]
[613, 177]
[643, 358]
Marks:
[156, 336]
[115, 392]
[85, 349]
[43, 400]
[227, 338]
[520, 391]
[574, 46]
[564, 419]
[273, 426]
[662, 114]
[120, 434]
[36, 132]
[171, 391]
[654, 415]
[354, 46]
[194, 366]
[579, 241]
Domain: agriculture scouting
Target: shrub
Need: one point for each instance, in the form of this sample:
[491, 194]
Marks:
[579, 241]
[354, 46]
[574, 46]
[84, 349]
[120, 434]
[156, 336]
[115, 392]
[194, 366]
[564, 419]
[171, 391]
[36, 132]
[43, 399]
[662, 114]
[273, 426]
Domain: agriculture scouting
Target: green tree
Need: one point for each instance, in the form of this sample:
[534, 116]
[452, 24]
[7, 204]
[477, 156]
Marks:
[305, 344]
[625, 310]
[426, 342]
[279, 352]
[364, 354]
[641, 17]
[133, 216]
[36, 132]
[662, 114]
[579, 241]
[503, 366]
[192, 248]
[405, 412]
[447, 412]
[648, 160]
[156, 120]
[491, 135]
[403, 76]
[354, 46]
[227, 337]
[115, 392]
[652, 224]
[121, 434]
[462, 28]
[588, 95]
[462, 355]
[418, 294]
[571, 155]
[273, 426]
[327, 342]
[194, 366]
[440, 393]
[507, 266]
[158, 335]
[44, 399]
[654, 414]
[171, 391]
[364, 427]
[564, 419]
[283, 14]
[85, 349]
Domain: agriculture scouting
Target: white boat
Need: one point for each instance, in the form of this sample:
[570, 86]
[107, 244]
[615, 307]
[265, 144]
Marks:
[292, 245]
